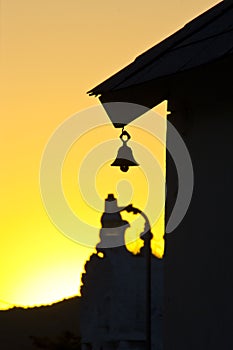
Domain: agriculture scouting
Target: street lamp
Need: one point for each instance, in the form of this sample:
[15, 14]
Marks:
[112, 234]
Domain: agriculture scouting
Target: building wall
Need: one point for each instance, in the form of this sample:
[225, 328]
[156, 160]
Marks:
[199, 259]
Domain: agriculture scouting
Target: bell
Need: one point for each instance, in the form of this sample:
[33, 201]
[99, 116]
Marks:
[125, 157]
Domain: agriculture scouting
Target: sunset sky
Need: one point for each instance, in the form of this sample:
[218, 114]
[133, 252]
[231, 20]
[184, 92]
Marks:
[52, 53]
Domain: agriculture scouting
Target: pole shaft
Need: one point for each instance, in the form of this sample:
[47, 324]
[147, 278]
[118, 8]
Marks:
[148, 293]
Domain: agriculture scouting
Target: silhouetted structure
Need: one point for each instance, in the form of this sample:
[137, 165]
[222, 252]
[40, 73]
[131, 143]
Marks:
[114, 300]
[192, 69]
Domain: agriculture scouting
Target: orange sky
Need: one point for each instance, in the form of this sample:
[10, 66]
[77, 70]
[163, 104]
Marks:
[52, 52]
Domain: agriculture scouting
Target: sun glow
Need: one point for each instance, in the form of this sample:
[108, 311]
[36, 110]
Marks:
[51, 54]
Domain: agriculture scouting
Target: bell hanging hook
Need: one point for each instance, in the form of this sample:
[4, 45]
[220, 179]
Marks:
[124, 133]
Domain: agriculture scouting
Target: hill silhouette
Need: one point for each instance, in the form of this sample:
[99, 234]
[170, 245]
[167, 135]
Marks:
[19, 325]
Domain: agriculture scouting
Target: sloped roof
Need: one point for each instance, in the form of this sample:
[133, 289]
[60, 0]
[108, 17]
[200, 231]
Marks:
[205, 39]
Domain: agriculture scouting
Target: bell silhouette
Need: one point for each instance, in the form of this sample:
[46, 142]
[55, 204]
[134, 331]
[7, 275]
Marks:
[124, 158]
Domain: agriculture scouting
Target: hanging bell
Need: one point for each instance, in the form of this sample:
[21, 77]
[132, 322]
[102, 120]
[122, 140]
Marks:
[125, 157]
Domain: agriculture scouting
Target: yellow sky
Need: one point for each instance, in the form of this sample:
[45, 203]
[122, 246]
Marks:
[52, 52]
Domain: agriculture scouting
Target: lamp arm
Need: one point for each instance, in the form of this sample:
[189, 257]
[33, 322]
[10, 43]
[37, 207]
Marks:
[130, 209]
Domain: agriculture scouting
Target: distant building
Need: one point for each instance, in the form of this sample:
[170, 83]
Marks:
[193, 71]
[114, 300]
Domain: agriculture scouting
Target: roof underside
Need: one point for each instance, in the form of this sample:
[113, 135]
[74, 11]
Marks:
[205, 39]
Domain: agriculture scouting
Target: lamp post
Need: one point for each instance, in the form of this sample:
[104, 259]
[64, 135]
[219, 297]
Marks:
[146, 236]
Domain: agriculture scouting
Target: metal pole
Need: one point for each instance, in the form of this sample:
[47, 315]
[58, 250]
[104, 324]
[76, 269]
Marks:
[147, 236]
[148, 290]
